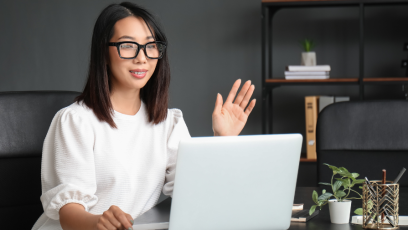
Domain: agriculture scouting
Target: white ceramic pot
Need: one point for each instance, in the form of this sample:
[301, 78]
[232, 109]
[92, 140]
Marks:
[340, 211]
[308, 58]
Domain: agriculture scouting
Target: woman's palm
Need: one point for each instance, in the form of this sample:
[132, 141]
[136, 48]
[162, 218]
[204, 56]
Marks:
[230, 118]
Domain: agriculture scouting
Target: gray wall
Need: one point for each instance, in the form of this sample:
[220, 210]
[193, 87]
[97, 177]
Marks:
[44, 45]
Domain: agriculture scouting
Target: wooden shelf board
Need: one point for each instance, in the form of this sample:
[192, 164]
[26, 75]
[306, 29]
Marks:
[385, 79]
[338, 1]
[338, 80]
[302, 159]
[300, 0]
[330, 80]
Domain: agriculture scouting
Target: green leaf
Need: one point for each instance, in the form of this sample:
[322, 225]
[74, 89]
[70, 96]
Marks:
[355, 175]
[334, 168]
[312, 209]
[340, 193]
[307, 44]
[360, 187]
[323, 191]
[337, 185]
[324, 196]
[344, 172]
[359, 211]
[370, 205]
[358, 181]
[323, 183]
[315, 196]
[345, 182]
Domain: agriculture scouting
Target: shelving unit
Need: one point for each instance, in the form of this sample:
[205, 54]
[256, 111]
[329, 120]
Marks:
[269, 9]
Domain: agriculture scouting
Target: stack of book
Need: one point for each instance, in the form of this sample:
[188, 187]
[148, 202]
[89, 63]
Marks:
[307, 72]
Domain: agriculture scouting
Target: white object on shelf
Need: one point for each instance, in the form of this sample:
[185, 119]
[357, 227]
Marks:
[308, 68]
[305, 77]
[307, 73]
[339, 99]
[308, 59]
[325, 101]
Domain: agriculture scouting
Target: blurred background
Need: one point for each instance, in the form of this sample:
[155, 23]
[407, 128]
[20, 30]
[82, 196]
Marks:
[45, 45]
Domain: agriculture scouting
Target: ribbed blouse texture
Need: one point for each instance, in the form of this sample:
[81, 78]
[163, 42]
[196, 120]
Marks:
[85, 161]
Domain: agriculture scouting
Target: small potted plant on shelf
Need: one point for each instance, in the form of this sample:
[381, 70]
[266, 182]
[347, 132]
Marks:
[308, 56]
[341, 186]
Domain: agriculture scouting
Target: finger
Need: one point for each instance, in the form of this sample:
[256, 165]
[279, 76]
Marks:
[242, 93]
[233, 91]
[107, 223]
[130, 218]
[110, 221]
[247, 97]
[250, 107]
[123, 219]
[218, 104]
[100, 226]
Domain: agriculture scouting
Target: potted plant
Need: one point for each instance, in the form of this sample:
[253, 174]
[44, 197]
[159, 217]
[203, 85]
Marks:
[308, 57]
[341, 186]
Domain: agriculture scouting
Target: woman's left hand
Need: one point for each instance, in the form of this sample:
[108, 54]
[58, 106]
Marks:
[230, 118]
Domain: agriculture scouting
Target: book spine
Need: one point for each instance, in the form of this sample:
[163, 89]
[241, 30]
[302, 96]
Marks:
[306, 77]
[311, 112]
[308, 68]
[307, 73]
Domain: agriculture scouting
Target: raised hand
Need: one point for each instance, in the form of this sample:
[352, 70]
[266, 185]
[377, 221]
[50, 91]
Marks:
[230, 118]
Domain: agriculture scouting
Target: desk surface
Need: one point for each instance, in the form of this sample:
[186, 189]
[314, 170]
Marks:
[321, 221]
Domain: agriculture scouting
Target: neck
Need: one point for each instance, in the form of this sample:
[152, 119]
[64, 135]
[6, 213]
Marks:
[126, 101]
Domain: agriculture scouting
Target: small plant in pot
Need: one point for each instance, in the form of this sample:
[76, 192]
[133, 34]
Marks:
[341, 186]
[308, 56]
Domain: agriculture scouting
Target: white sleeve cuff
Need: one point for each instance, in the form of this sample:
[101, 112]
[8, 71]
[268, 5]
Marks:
[54, 199]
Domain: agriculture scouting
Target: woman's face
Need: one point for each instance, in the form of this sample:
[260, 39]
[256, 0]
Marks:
[131, 73]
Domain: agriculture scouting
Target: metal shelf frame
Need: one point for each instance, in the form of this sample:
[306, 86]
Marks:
[269, 9]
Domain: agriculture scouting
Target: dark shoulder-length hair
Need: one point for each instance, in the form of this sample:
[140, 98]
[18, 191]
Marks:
[96, 94]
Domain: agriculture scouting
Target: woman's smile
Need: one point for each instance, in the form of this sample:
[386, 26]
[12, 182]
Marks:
[138, 73]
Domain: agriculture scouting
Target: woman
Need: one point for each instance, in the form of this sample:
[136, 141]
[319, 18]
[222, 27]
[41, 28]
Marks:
[108, 156]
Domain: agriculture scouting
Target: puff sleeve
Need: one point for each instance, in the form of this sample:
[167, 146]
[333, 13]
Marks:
[68, 167]
[178, 131]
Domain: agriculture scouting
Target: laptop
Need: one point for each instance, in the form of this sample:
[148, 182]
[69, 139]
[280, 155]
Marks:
[242, 182]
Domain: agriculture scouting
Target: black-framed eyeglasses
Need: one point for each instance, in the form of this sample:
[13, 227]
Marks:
[130, 50]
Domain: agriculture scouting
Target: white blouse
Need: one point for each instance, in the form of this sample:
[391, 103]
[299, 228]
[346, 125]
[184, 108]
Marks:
[85, 161]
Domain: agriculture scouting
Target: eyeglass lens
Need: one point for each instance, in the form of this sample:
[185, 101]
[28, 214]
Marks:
[153, 50]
